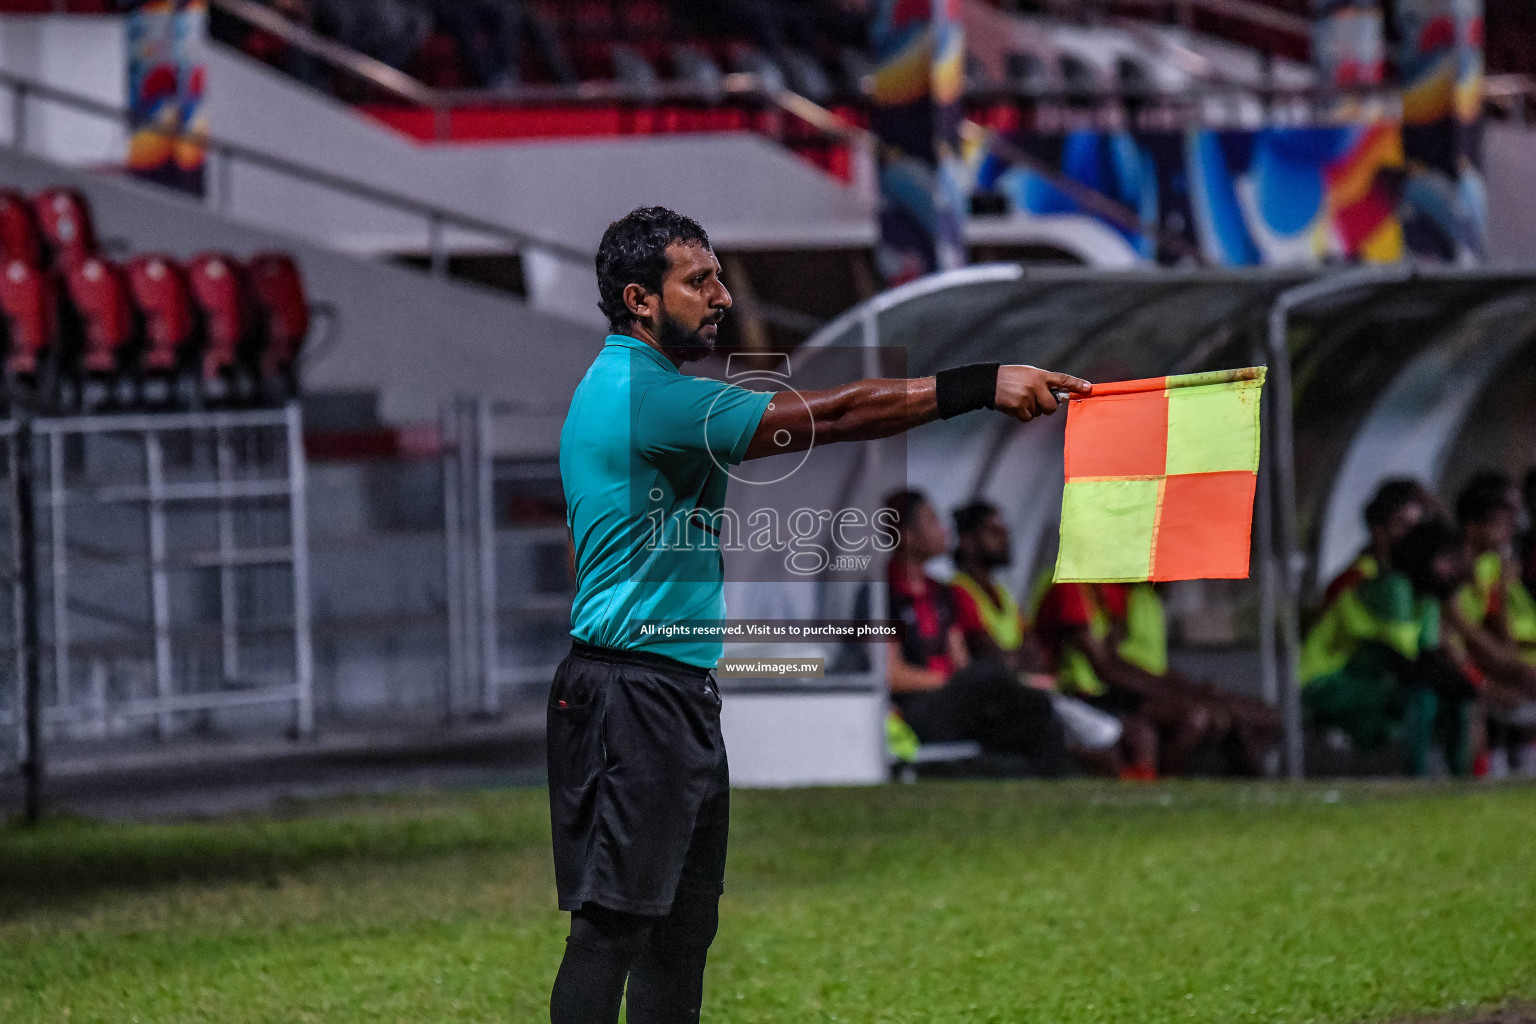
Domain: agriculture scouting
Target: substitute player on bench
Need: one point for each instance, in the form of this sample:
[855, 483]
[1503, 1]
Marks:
[638, 783]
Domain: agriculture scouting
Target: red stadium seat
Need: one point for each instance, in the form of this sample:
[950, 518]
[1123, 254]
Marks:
[222, 293]
[65, 218]
[163, 296]
[29, 298]
[279, 290]
[436, 63]
[99, 290]
[592, 57]
[646, 16]
[20, 238]
[590, 17]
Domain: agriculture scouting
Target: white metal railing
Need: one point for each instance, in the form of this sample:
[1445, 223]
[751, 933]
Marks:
[246, 464]
[1249, 12]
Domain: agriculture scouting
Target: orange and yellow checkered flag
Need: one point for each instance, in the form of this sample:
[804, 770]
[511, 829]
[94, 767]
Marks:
[1160, 479]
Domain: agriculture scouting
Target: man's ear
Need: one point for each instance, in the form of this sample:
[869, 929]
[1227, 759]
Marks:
[640, 302]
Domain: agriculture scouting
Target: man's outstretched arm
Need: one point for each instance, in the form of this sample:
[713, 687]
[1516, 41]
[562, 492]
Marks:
[881, 406]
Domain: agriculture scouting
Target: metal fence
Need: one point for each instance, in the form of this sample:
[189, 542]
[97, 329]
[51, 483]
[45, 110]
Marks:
[199, 579]
[509, 585]
[172, 573]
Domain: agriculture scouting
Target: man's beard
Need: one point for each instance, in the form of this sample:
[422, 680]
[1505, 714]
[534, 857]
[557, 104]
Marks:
[690, 346]
[996, 559]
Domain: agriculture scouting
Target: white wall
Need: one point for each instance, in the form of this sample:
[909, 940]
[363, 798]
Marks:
[1509, 154]
[740, 185]
[82, 54]
[790, 739]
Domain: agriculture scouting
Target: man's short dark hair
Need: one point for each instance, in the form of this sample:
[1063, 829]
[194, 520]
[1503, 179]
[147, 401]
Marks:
[1391, 498]
[970, 517]
[905, 504]
[1415, 554]
[634, 251]
[1485, 495]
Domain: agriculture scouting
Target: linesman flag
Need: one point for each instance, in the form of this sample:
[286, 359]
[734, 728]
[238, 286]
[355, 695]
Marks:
[1160, 479]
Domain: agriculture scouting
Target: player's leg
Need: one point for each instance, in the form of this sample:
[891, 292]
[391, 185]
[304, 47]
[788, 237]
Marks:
[1421, 706]
[1183, 726]
[985, 702]
[593, 748]
[1247, 747]
[1138, 733]
[599, 953]
[1139, 738]
[1093, 736]
[1453, 730]
[666, 985]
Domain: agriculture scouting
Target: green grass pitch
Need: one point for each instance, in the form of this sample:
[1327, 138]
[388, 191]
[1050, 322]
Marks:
[939, 903]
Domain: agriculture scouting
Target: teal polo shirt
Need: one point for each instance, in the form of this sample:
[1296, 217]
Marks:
[644, 446]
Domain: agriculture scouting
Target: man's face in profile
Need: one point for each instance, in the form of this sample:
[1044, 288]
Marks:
[693, 302]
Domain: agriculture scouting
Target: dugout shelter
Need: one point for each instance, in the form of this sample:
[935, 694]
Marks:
[1374, 372]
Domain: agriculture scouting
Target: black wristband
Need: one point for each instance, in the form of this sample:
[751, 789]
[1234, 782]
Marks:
[966, 388]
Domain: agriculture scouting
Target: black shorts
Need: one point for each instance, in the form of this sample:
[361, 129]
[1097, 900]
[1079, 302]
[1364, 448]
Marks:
[639, 789]
[1117, 702]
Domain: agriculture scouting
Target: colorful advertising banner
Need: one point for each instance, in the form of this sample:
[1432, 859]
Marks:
[165, 91]
[1347, 47]
[1281, 196]
[919, 51]
[1440, 55]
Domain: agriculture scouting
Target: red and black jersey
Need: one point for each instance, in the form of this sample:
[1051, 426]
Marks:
[928, 613]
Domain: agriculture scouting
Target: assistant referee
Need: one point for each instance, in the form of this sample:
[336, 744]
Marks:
[638, 783]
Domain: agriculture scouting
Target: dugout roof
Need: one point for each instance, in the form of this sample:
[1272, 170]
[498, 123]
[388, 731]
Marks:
[1388, 366]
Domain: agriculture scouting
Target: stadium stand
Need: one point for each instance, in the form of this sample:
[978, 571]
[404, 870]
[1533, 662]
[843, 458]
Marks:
[226, 327]
[65, 219]
[614, 68]
[1510, 34]
[98, 291]
[816, 50]
[279, 290]
[222, 293]
[20, 238]
[29, 297]
[1267, 26]
[164, 299]
[135, 327]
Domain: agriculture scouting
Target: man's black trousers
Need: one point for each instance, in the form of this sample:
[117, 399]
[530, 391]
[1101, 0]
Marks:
[639, 809]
